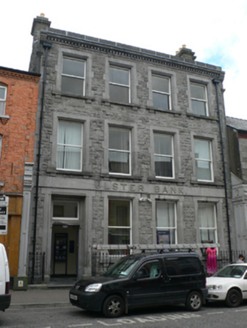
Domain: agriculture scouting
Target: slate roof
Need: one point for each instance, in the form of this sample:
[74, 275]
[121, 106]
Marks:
[236, 123]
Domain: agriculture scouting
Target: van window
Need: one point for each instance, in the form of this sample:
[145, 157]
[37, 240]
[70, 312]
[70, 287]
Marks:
[149, 270]
[182, 266]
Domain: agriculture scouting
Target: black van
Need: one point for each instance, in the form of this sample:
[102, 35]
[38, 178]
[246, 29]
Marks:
[141, 280]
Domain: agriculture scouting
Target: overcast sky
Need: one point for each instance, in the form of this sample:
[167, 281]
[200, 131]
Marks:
[214, 29]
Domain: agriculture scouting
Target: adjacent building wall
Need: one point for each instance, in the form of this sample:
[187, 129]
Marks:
[17, 132]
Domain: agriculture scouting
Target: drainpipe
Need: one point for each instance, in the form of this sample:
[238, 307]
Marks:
[46, 46]
[216, 82]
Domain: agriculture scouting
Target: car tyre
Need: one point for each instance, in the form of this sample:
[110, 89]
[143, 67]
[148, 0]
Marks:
[194, 301]
[233, 298]
[113, 306]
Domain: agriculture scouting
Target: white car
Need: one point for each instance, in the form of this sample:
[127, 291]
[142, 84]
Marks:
[228, 284]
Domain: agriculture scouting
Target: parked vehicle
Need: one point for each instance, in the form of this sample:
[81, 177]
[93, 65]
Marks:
[5, 296]
[228, 284]
[143, 280]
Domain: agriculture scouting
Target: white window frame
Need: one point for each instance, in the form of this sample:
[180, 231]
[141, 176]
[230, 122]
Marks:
[65, 218]
[166, 156]
[76, 76]
[210, 161]
[120, 227]
[121, 151]
[160, 92]
[118, 84]
[3, 100]
[215, 221]
[175, 219]
[205, 101]
[68, 145]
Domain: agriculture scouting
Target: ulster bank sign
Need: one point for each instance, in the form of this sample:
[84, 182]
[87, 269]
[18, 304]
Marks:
[141, 188]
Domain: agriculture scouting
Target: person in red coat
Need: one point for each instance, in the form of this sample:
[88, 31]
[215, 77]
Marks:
[211, 261]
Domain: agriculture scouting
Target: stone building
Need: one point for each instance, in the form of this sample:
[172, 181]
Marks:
[131, 148]
[18, 110]
[237, 138]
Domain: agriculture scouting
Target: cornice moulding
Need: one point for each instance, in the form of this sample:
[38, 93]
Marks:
[149, 56]
[19, 76]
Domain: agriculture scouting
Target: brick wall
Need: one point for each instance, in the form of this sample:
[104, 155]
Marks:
[18, 129]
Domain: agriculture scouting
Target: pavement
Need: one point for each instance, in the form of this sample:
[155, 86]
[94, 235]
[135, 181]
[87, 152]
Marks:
[40, 295]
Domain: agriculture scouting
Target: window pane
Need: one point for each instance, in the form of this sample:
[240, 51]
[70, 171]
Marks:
[163, 166]
[119, 139]
[199, 107]
[203, 170]
[207, 235]
[73, 67]
[69, 133]
[2, 93]
[165, 214]
[118, 162]
[68, 158]
[160, 101]
[118, 236]
[202, 149]
[198, 91]
[119, 213]
[119, 76]
[63, 209]
[206, 215]
[119, 94]
[160, 84]
[162, 144]
[72, 85]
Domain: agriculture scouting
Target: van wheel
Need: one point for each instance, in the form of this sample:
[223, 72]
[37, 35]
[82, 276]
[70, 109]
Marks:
[194, 301]
[233, 298]
[113, 306]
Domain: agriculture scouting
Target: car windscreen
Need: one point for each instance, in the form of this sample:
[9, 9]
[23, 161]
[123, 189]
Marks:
[121, 268]
[231, 271]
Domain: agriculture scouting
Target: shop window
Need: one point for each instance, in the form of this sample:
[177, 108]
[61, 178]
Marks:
[207, 223]
[119, 222]
[166, 222]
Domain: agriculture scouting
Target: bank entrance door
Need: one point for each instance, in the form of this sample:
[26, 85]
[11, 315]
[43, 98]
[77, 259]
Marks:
[64, 250]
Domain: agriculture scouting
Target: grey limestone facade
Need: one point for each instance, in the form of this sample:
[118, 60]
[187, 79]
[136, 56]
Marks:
[131, 148]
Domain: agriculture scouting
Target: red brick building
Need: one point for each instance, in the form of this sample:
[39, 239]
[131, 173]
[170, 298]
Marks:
[18, 110]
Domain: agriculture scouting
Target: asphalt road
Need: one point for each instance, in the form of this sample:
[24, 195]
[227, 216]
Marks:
[212, 315]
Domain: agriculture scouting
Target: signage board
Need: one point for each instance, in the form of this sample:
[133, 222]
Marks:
[4, 205]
